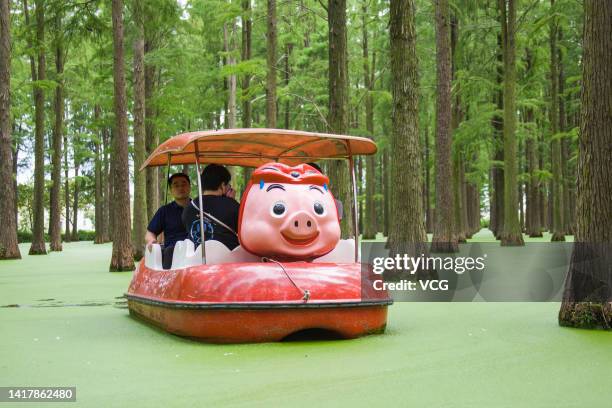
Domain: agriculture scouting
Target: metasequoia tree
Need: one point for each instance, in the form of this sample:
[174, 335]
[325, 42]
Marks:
[122, 259]
[444, 238]
[55, 230]
[140, 203]
[407, 231]
[557, 190]
[38, 230]
[271, 65]
[338, 105]
[511, 233]
[587, 299]
[369, 221]
[8, 232]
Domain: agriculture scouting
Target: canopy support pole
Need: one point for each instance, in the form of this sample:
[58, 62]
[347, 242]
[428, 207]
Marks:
[202, 235]
[167, 178]
[354, 203]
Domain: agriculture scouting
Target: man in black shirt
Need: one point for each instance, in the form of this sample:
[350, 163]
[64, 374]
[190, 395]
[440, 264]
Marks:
[220, 208]
[167, 219]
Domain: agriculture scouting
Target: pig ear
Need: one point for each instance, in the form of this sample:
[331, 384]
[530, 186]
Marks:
[261, 184]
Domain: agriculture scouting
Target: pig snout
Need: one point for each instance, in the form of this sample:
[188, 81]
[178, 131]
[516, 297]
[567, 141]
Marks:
[300, 229]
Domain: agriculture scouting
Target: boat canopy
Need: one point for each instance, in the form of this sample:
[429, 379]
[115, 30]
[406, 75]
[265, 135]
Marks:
[256, 146]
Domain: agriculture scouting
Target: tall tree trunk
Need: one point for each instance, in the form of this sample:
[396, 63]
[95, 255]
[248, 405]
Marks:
[75, 196]
[122, 259]
[338, 106]
[587, 299]
[459, 193]
[38, 237]
[497, 195]
[287, 75]
[14, 177]
[557, 209]
[444, 237]
[140, 202]
[473, 208]
[228, 44]
[369, 222]
[99, 196]
[66, 191]
[111, 187]
[407, 231]
[511, 234]
[429, 222]
[534, 228]
[566, 179]
[543, 193]
[246, 55]
[151, 135]
[386, 176]
[8, 232]
[58, 129]
[271, 65]
[105, 183]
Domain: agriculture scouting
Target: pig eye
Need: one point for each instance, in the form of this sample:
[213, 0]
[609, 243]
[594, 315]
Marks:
[278, 209]
[318, 208]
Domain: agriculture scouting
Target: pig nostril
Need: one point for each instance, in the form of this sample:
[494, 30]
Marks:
[296, 224]
[309, 224]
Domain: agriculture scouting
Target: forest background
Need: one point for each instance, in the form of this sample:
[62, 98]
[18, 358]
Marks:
[475, 107]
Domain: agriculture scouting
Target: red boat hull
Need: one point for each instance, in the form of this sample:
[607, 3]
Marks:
[257, 302]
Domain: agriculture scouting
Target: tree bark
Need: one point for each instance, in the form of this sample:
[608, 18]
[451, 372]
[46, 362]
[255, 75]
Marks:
[534, 228]
[99, 195]
[429, 222]
[271, 65]
[122, 259]
[228, 45]
[111, 187]
[587, 299]
[386, 176]
[407, 231]
[497, 195]
[66, 191]
[151, 134]
[512, 234]
[444, 237]
[338, 106]
[565, 162]
[58, 129]
[38, 237]
[105, 183]
[140, 202]
[369, 222]
[246, 55]
[557, 209]
[75, 195]
[8, 232]
[287, 75]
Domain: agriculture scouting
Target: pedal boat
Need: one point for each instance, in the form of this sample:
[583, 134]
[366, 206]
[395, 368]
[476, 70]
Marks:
[235, 297]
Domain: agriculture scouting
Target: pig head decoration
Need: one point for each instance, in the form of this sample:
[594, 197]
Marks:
[288, 213]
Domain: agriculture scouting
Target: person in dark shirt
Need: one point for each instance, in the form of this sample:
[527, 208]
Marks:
[168, 220]
[218, 202]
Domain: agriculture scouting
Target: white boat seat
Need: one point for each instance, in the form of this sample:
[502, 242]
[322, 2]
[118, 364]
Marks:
[186, 255]
[153, 257]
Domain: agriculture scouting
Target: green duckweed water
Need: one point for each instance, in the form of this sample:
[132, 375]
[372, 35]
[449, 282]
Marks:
[72, 329]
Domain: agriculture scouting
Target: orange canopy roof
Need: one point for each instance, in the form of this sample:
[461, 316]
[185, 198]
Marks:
[254, 147]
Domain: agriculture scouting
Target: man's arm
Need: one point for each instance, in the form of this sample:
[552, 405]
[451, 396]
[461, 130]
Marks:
[150, 239]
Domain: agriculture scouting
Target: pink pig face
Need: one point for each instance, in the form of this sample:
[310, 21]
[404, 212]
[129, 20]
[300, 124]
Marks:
[291, 215]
